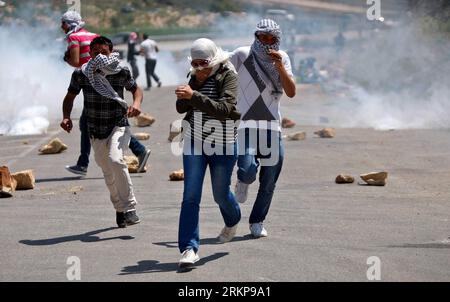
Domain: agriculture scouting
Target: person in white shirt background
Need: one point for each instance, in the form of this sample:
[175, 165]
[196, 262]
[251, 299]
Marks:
[149, 49]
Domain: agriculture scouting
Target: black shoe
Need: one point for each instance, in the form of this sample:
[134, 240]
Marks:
[76, 169]
[159, 84]
[120, 219]
[131, 218]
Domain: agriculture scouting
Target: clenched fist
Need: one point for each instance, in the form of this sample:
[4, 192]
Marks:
[67, 125]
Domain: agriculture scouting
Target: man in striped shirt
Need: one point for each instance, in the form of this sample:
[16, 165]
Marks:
[78, 39]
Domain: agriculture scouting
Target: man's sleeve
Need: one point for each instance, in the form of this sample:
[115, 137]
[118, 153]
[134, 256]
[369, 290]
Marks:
[130, 83]
[73, 42]
[287, 65]
[75, 86]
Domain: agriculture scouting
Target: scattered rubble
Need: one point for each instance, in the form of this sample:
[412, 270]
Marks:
[133, 164]
[142, 136]
[53, 147]
[177, 175]
[14, 183]
[7, 183]
[326, 133]
[344, 179]
[297, 136]
[25, 180]
[375, 178]
[287, 123]
[144, 120]
[76, 189]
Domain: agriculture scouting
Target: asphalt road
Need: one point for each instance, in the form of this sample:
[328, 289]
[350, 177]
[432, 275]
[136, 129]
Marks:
[318, 230]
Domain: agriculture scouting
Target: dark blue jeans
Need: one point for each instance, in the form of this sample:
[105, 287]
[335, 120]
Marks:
[250, 154]
[221, 168]
[150, 65]
[85, 144]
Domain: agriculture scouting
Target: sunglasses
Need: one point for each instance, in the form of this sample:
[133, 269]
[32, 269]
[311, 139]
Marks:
[200, 63]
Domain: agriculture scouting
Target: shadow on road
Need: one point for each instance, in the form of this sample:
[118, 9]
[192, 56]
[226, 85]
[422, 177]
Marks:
[154, 266]
[204, 241]
[71, 178]
[86, 237]
[66, 179]
[430, 245]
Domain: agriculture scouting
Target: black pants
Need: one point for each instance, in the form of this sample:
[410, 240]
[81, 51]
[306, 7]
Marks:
[150, 65]
[134, 69]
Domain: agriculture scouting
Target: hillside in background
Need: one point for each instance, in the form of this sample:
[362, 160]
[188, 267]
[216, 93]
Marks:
[109, 16]
[180, 16]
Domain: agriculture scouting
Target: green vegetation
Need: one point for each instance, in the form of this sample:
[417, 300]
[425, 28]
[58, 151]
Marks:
[156, 17]
[198, 5]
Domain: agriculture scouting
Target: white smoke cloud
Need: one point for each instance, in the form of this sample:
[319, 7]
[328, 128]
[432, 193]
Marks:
[33, 79]
[398, 79]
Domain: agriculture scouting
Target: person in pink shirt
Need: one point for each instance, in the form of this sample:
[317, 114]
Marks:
[78, 39]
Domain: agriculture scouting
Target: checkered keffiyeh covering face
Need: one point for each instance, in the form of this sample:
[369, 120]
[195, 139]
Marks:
[96, 71]
[268, 26]
[73, 19]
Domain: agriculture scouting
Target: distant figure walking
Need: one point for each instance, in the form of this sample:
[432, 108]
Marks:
[149, 49]
[339, 41]
[131, 55]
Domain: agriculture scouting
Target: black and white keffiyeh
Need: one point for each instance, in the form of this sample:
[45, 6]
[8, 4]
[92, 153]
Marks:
[96, 71]
[73, 19]
[258, 50]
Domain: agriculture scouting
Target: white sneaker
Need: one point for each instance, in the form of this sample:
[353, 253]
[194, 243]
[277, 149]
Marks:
[188, 257]
[258, 230]
[228, 233]
[143, 160]
[241, 191]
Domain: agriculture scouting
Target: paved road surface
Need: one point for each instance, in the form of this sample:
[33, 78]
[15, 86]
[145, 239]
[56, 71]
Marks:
[318, 230]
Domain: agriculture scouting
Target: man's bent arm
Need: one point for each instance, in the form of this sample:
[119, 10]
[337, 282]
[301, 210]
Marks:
[138, 97]
[74, 58]
[68, 105]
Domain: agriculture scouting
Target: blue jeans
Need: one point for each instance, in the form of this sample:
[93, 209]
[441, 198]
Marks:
[221, 168]
[249, 162]
[150, 65]
[135, 146]
[85, 144]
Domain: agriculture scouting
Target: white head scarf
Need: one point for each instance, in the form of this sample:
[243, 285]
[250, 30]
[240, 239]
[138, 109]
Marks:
[73, 19]
[205, 49]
